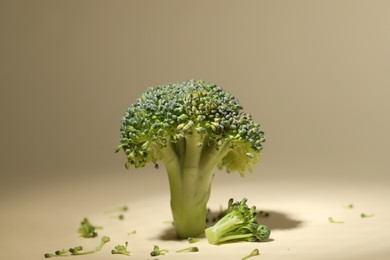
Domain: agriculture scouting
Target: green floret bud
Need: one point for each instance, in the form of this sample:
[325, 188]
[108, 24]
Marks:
[193, 127]
[120, 249]
[239, 224]
[157, 251]
[188, 250]
[254, 252]
[87, 230]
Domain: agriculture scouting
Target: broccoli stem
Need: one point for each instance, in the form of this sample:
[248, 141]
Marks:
[190, 182]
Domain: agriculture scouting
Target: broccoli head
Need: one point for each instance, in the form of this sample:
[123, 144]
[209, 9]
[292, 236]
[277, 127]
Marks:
[193, 127]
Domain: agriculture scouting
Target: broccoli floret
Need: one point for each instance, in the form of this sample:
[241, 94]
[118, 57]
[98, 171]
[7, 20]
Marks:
[78, 250]
[120, 249]
[87, 230]
[254, 252]
[239, 224]
[193, 127]
[192, 240]
[188, 250]
[157, 251]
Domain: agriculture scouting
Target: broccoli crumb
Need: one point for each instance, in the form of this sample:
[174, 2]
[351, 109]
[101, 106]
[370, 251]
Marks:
[192, 240]
[254, 252]
[349, 206]
[132, 233]
[239, 224]
[331, 220]
[188, 249]
[157, 251]
[120, 249]
[78, 250]
[193, 128]
[87, 230]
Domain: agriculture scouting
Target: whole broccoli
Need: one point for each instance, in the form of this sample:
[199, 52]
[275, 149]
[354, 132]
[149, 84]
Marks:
[192, 127]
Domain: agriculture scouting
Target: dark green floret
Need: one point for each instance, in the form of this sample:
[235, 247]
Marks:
[78, 250]
[121, 250]
[255, 252]
[239, 224]
[157, 251]
[87, 230]
[188, 250]
[193, 127]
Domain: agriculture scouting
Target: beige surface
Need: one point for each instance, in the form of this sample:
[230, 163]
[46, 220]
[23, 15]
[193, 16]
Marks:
[44, 219]
[313, 73]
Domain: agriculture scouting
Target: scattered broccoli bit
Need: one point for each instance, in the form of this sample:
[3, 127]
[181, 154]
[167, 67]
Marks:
[132, 233]
[254, 252]
[349, 206]
[239, 224]
[188, 249]
[58, 253]
[119, 209]
[122, 250]
[87, 230]
[364, 215]
[331, 220]
[77, 250]
[120, 217]
[157, 251]
[192, 240]
[193, 127]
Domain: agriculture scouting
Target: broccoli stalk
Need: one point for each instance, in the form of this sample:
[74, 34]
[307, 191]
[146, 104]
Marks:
[193, 127]
[239, 224]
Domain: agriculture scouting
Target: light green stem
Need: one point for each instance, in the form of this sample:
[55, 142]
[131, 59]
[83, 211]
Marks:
[190, 183]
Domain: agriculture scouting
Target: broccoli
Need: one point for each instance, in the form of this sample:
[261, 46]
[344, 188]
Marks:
[87, 230]
[192, 127]
[192, 240]
[254, 252]
[120, 249]
[188, 249]
[157, 251]
[239, 224]
[78, 250]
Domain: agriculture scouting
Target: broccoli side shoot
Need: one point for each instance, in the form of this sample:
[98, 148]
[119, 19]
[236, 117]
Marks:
[239, 224]
[87, 230]
[192, 127]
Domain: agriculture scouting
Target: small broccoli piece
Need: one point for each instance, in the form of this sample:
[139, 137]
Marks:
[157, 251]
[119, 249]
[331, 220]
[364, 215]
[87, 230]
[77, 250]
[57, 253]
[349, 206]
[255, 252]
[132, 233]
[188, 249]
[120, 217]
[119, 209]
[239, 224]
[193, 127]
[192, 240]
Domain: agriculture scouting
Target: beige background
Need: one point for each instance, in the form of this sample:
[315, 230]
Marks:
[315, 74]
